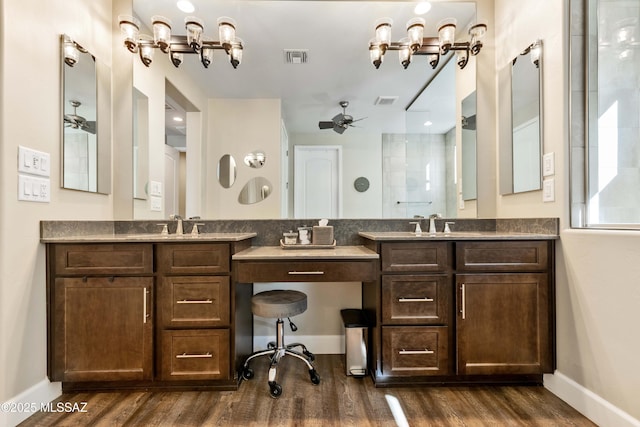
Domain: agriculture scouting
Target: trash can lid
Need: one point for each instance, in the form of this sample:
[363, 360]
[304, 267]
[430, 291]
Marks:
[354, 318]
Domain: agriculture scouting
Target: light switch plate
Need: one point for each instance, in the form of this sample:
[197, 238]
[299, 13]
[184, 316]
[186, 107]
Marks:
[548, 164]
[33, 161]
[548, 190]
[155, 188]
[156, 203]
[34, 189]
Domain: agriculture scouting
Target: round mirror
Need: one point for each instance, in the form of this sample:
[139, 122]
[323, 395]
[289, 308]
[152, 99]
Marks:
[254, 191]
[226, 171]
[255, 160]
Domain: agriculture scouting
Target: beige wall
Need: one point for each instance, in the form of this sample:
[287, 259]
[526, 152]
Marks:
[597, 271]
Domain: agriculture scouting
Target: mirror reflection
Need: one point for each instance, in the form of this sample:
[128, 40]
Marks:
[255, 191]
[227, 171]
[80, 140]
[469, 162]
[520, 110]
[140, 144]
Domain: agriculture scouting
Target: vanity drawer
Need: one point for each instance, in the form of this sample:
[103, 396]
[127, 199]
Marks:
[416, 299]
[415, 350]
[103, 259]
[195, 354]
[502, 256]
[306, 271]
[193, 258]
[416, 256]
[194, 301]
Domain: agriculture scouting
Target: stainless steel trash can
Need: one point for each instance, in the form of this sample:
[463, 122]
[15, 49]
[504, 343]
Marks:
[356, 334]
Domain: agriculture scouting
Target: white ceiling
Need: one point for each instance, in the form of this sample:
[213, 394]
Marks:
[336, 35]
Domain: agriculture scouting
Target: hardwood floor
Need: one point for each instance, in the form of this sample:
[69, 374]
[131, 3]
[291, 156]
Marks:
[338, 401]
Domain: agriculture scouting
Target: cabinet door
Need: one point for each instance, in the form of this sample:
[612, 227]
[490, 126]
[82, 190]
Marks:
[103, 329]
[503, 324]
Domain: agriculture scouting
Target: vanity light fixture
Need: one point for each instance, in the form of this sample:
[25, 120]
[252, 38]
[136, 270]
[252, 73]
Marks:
[71, 50]
[176, 46]
[416, 44]
[535, 49]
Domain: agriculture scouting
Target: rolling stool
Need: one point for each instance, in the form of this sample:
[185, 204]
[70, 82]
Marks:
[279, 304]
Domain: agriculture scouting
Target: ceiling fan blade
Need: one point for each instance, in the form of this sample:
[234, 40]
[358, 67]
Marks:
[339, 129]
[338, 118]
[357, 120]
[325, 125]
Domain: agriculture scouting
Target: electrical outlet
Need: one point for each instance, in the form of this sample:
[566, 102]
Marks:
[155, 188]
[156, 203]
[548, 190]
[33, 161]
[33, 189]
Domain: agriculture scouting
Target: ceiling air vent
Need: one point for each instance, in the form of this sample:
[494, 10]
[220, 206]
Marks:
[296, 56]
[385, 100]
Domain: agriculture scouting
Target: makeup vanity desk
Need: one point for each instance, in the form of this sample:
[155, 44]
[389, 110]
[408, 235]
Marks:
[263, 264]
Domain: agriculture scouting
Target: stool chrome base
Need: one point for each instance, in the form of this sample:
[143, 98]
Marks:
[276, 351]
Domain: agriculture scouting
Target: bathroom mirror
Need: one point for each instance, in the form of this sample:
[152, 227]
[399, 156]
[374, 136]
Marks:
[254, 191]
[86, 121]
[469, 157]
[310, 92]
[521, 153]
[227, 171]
[140, 144]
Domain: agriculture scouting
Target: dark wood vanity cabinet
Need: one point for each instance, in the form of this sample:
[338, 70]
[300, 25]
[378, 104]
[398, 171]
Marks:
[462, 312]
[100, 312]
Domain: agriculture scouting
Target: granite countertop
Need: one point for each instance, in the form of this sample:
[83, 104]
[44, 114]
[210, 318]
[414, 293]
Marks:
[278, 253]
[460, 235]
[149, 238]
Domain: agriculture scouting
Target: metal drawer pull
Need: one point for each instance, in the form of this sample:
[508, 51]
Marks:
[425, 351]
[194, 356]
[317, 273]
[195, 301]
[425, 299]
[463, 304]
[144, 306]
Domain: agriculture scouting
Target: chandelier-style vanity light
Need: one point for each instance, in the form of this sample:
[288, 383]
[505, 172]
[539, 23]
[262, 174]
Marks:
[194, 42]
[416, 44]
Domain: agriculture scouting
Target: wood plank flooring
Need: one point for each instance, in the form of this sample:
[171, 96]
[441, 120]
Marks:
[338, 401]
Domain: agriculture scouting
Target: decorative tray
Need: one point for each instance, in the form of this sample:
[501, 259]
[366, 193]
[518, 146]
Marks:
[309, 246]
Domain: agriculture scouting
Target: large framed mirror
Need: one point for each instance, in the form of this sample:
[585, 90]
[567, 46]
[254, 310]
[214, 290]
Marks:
[310, 82]
[521, 118]
[86, 121]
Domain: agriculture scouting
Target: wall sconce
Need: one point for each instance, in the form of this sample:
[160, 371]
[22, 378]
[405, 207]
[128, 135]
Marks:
[535, 49]
[176, 46]
[71, 50]
[416, 44]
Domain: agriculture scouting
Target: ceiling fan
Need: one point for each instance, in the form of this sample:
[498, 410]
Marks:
[76, 121]
[341, 121]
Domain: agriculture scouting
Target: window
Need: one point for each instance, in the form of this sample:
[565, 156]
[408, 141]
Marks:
[606, 164]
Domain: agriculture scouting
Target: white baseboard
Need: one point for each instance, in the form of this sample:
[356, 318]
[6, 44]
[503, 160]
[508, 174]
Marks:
[589, 404]
[22, 406]
[317, 344]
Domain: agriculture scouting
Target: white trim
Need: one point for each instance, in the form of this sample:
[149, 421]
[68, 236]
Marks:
[592, 406]
[42, 392]
[317, 344]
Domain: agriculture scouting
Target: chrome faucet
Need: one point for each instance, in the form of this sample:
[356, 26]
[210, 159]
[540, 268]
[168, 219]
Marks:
[432, 222]
[178, 218]
[418, 230]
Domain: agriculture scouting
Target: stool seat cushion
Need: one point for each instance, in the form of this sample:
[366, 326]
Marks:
[279, 303]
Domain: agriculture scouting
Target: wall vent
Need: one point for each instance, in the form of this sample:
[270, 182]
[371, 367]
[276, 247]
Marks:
[386, 100]
[296, 56]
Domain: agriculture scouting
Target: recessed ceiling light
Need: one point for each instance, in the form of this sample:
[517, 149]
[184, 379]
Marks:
[428, 123]
[186, 6]
[422, 8]
[177, 119]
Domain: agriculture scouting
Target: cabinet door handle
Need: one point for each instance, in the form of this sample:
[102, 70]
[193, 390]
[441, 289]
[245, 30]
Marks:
[463, 305]
[425, 351]
[194, 301]
[144, 305]
[425, 299]
[194, 356]
[316, 273]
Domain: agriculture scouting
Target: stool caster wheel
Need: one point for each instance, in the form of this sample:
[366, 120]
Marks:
[309, 355]
[271, 345]
[315, 378]
[247, 373]
[275, 390]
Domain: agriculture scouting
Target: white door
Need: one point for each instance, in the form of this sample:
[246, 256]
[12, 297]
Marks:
[317, 181]
[171, 183]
